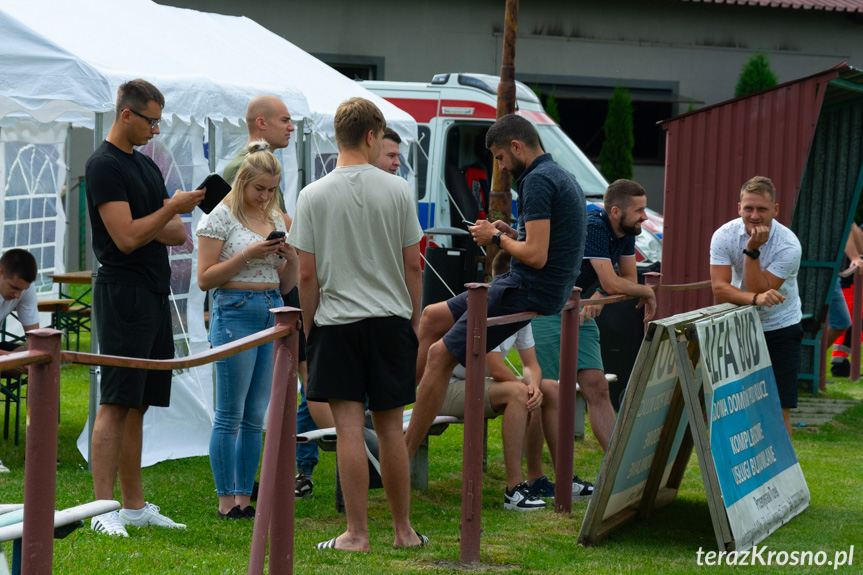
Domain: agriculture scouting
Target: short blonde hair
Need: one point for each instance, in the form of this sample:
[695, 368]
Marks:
[258, 162]
[759, 185]
[355, 118]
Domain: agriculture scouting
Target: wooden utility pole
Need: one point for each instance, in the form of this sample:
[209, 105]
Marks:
[500, 198]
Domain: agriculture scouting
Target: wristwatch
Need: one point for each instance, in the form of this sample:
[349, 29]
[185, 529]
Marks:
[752, 253]
[495, 239]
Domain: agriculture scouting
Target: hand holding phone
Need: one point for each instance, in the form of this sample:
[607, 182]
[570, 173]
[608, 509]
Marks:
[275, 235]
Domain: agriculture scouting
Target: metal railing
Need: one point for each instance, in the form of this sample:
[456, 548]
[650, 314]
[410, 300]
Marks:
[275, 513]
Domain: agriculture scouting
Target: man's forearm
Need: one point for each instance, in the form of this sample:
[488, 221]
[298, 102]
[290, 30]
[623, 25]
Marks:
[414, 283]
[173, 234]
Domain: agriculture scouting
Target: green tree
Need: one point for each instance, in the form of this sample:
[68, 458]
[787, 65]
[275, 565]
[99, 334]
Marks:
[615, 157]
[756, 75]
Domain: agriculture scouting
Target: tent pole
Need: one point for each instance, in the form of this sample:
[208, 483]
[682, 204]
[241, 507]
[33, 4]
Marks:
[211, 138]
[67, 154]
[98, 126]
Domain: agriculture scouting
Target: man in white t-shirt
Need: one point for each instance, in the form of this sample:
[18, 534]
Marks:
[17, 274]
[754, 260]
[357, 235]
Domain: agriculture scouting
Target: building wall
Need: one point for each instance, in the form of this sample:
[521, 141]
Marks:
[699, 48]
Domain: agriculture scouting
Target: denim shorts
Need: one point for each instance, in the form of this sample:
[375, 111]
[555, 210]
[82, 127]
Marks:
[505, 297]
[839, 317]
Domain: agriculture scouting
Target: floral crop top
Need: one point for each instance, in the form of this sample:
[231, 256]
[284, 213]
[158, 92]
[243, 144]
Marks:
[221, 224]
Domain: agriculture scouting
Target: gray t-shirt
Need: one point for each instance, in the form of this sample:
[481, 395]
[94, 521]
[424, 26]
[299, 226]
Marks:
[356, 220]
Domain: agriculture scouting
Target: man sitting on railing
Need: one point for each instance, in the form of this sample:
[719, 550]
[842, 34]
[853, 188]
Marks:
[546, 250]
[754, 260]
[610, 242]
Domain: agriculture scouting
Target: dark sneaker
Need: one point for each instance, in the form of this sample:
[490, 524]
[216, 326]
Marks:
[520, 499]
[235, 513]
[303, 486]
[249, 512]
[841, 369]
[541, 487]
[581, 489]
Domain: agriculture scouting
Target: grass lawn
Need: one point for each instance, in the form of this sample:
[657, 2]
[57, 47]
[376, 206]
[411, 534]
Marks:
[538, 542]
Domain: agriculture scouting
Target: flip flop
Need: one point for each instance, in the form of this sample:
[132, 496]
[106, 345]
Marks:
[423, 541]
[328, 545]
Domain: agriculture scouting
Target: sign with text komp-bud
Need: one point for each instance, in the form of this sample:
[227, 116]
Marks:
[760, 478]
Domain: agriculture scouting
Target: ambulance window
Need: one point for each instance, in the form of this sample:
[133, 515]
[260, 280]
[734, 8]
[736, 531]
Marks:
[421, 161]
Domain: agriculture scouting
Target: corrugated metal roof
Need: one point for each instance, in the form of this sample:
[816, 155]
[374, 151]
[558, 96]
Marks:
[710, 153]
[826, 5]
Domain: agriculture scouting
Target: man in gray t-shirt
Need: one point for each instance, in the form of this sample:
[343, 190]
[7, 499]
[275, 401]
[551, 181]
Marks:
[357, 235]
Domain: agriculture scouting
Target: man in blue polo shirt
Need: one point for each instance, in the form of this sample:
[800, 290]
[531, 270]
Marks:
[546, 254]
[610, 242]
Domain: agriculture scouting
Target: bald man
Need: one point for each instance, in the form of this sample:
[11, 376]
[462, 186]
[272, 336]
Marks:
[267, 117]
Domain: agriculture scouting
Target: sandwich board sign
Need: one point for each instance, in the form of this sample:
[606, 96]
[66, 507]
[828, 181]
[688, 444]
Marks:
[702, 381]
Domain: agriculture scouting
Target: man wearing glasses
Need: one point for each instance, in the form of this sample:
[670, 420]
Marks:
[133, 221]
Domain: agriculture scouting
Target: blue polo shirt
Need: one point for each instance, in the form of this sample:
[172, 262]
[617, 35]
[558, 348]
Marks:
[603, 244]
[546, 191]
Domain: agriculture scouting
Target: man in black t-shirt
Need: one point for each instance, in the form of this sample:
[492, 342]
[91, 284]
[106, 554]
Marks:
[133, 220]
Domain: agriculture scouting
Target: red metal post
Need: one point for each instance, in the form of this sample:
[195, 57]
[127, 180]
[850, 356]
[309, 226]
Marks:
[855, 327]
[40, 472]
[471, 485]
[566, 408]
[275, 512]
[653, 280]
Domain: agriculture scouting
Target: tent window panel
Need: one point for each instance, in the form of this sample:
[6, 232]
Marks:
[23, 236]
[9, 236]
[23, 210]
[50, 231]
[47, 258]
[36, 233]
[37, 208]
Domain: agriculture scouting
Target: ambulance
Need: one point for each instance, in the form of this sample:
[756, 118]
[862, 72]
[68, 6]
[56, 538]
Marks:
[452, 167]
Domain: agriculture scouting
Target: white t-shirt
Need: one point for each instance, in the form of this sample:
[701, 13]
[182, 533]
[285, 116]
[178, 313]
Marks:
[522, 339]
[780, 255]
[26, 305]
[356, 220]
[221, 224]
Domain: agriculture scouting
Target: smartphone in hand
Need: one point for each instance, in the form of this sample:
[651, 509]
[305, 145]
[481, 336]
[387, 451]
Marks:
[275, 235]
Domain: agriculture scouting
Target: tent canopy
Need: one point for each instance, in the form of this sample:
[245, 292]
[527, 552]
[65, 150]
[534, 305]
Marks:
[70, 58]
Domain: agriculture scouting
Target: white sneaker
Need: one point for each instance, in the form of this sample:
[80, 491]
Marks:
[3, 468]
[520, 499]
[108, 523]
[150, 516]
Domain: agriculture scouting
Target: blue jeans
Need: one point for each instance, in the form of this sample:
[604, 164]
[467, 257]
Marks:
[307, 453]
[243, 383]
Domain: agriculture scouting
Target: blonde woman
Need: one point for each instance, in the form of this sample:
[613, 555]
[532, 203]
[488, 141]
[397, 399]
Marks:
[249, 273]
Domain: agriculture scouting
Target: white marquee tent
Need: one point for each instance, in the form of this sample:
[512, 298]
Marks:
[61, 64]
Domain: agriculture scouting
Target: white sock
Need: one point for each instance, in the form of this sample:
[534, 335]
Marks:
[134, 513]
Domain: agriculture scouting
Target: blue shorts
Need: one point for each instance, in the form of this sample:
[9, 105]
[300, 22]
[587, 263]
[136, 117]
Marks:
[839, 317]
[505, 297]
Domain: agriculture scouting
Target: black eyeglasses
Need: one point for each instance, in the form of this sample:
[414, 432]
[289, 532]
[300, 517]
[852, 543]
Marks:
[154, 122]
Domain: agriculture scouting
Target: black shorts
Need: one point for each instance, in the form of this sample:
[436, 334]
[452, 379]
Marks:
[292, 299]
[784, 345]
[505, 297]
[374, 358]
[133, 322]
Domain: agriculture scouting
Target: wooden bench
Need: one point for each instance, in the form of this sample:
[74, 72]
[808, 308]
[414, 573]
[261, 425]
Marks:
[65, 522]
[326, 440]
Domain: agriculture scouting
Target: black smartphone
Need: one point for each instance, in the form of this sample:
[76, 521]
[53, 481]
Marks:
[217, 189]
[275, 235]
